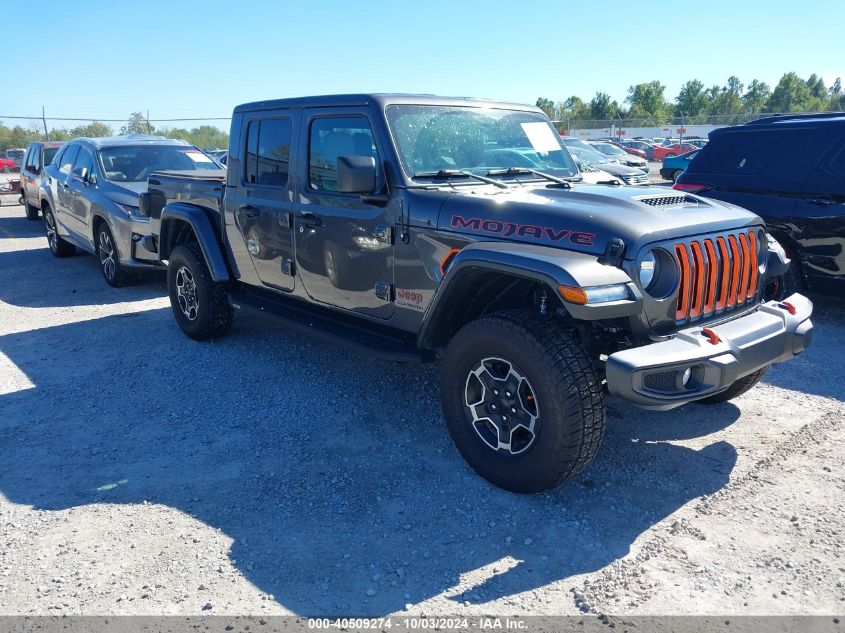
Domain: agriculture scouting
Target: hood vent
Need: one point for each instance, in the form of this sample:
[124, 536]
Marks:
[668, 200]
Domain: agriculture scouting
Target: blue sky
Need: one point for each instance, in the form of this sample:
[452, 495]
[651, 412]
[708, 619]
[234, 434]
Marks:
[199, 59]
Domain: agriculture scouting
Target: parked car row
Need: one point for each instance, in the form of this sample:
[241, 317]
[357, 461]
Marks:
[11, 160]
[88, 189]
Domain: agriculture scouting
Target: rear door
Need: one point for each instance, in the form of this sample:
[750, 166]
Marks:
[262, 201]
[29, 177]
[62, 196]
[344, 250]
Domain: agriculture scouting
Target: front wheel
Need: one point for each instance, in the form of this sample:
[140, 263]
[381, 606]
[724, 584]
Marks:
[522, 401]
[200, 304]
[115, 273]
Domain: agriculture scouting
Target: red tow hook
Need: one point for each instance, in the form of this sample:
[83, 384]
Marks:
[711, 336]
[788, 307]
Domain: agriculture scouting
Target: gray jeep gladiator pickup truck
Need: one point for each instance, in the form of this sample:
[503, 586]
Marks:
[425, 228]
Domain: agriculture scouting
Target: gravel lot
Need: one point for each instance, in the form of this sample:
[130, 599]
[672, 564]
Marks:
[144, 473]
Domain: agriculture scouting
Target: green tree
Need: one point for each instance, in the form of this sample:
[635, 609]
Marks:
[792, 94]
[137, 124]
[836, 99]
[574, 108]
[648, 102]
[92, 130]
[548, 106]
[692, 101]
[756, 96]
[601, 107]
[730, 98]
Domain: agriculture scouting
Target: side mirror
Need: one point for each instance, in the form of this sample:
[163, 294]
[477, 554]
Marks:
[32, 169]
[356, 174]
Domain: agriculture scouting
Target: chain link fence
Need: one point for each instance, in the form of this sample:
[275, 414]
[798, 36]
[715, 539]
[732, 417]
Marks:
[17, 132]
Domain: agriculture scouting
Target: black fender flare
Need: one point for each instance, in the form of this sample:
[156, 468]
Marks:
[173, 216]
[552, 267]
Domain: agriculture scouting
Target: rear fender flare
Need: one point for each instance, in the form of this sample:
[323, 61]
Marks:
[172, 218]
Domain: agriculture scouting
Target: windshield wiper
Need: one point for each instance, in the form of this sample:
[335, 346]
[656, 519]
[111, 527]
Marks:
[457, 173]
[514, 171]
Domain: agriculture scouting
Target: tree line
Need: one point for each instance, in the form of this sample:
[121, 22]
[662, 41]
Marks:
[203, 136]
[695, 102]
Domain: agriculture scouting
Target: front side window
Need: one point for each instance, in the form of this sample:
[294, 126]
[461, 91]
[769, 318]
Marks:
[268, 152]
[434, 138]
[68, 156]
[134, 163]
[332, 138]
[84, 164]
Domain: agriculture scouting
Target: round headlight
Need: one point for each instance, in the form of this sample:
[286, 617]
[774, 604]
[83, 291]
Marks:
[648, 269]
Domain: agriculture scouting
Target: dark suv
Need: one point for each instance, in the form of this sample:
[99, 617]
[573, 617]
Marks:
[38, 156]
[89, 198]
[790, 170]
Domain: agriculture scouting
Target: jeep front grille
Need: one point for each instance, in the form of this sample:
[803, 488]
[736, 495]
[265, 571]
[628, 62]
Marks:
[716, 274]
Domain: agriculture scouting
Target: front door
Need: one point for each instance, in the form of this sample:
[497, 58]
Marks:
[262, 205]
[344, 249]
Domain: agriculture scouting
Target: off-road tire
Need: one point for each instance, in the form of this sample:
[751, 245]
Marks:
[737, 389]
[115, 274]
[58, 246]
[214, 312]
[569, 398]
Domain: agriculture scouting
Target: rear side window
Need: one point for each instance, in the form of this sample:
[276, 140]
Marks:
[49, 155]
[332, 138]
[68, 156]
[268, 152]
[777, 158]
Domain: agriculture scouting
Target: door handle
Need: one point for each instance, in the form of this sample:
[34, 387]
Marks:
[250, 211]
[313, 220]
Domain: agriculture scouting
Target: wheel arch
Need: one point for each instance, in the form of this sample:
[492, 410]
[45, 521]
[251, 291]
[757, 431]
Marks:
[487, 277]
[182, 222]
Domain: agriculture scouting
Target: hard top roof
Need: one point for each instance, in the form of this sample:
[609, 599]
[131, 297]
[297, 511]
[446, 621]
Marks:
[380, 100]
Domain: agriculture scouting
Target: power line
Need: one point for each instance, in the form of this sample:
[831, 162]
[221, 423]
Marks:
[58, 118]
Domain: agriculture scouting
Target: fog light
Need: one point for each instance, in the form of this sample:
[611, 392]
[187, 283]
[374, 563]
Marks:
[687, 375]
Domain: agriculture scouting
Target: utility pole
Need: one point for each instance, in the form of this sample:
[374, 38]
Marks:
[149, 129]
[44, 121]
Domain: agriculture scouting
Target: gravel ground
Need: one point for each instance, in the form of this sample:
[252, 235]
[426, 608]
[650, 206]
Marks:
[144, 473]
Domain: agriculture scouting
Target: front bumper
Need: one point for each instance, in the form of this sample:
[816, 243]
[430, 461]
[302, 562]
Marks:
[652, 376]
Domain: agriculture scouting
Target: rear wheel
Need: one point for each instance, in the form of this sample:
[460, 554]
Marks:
[31, 210]
[737, 389]
[200, 304]
[522, 401]
[676, 174]
[58, 246]
[115, 273]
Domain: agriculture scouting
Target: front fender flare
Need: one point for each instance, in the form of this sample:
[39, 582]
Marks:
[172, 215]
[552, 267]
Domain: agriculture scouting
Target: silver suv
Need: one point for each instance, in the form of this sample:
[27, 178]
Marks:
[89, 198]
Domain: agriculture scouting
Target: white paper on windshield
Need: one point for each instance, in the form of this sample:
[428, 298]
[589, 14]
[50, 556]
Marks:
[542, 137]
[198, 157]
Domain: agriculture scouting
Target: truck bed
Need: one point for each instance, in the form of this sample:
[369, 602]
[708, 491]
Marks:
[203, 187]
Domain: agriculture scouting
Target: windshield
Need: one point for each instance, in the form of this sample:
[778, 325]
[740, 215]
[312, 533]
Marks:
[607, 148]
[134, 164]
[431, 139]
[585, 153]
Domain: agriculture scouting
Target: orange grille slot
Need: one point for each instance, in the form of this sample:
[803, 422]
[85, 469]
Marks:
[684, 285]
[698, 272]
[722, 302]
[712, 277]
[752, 286]
[737, 266]
[746, 273]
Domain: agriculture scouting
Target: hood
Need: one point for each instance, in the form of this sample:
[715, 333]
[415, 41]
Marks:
[124, 192]
[587, 217]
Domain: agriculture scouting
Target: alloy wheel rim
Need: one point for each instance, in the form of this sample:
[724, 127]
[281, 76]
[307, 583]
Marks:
[106, 249]
[50, 223]
[186, 293]
[501, 406]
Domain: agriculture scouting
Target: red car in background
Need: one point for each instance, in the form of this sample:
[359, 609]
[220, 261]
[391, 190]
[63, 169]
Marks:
[672, 150]
[7, 164]
[632, 150]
